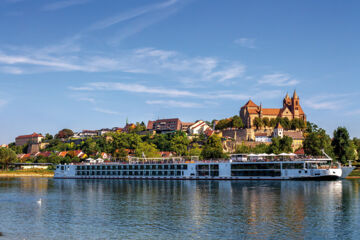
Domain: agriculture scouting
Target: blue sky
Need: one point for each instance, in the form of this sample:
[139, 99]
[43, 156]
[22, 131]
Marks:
[89, 64]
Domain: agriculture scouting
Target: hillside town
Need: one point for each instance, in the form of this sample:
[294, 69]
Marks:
[254, 129]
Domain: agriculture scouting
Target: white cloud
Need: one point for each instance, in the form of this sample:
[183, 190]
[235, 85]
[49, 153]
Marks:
[65, 57]
[86, 99]
[278, 79]
[172, 92]
[135, 88]
[172, 103]
[125, 16]
[106, 111]
[246, 42]
[62, 4]
[326, 101]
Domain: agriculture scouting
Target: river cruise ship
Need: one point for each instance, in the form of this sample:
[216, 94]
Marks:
[238, 167]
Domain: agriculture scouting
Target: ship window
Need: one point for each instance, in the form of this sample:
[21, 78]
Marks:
[142, 167]
[184, 166]
[172, 173]
[166, 167]
[62, 167]
[178, 173]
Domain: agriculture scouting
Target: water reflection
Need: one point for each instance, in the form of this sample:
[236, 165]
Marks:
[136, 209]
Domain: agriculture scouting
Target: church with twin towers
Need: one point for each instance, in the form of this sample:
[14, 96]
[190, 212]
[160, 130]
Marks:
[291, 109]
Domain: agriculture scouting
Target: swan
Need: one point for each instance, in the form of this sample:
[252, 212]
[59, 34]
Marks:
[39, 201]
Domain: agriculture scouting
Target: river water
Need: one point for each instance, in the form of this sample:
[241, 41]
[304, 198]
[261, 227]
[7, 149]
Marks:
[155, 209]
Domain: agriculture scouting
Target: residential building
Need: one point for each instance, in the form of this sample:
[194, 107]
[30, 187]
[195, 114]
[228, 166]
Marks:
[103, 131]
[165, 125]
[185, 126]
[129, 127]
[262, 137]
[28, 139]
[297, 138]
[88, 133]
[198, 128]
[291, 109]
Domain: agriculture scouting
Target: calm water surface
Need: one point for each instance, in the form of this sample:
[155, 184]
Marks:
[136, 209]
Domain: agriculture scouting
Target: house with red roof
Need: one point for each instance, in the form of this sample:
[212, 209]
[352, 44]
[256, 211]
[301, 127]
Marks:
[198, 128]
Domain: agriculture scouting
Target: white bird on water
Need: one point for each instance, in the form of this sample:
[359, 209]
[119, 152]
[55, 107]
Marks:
[38, 201]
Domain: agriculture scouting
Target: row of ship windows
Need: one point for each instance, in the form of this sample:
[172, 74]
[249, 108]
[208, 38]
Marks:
[263, 173]
[131, 167]
[130, 173]
[268, 166]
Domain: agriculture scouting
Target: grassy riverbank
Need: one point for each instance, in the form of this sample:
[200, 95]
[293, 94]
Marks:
[355, 174]
[27, 173]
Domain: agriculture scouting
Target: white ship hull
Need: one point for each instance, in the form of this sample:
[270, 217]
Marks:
[291, 170]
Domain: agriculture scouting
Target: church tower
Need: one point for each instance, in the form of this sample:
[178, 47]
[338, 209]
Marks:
[295, 105]
[287, 101]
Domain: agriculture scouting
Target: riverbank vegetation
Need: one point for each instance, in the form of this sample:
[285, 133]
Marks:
[120, 144]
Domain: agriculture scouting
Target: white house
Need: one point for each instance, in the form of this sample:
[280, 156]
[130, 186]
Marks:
[262, 137]
[198, 128]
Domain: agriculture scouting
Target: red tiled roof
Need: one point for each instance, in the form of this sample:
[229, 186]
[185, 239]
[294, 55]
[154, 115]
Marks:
[300, 151]
[150, 124]
[260, 134]
[279, 126]
[29, 136]
[294, 135]
[250, 103]
[208, 132]
[62, 154]
[271, 111]
[44, 154]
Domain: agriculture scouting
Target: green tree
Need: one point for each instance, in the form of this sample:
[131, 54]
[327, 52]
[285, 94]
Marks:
[242, 149]
[316, 139]
[195, 150]
[343, 148]
[266, 122]
[179, 144]
[212, 148]
[237, 122]
[223, 123]
[147, 149]
[280, 145]
[273, 122]
[48, 137]
[64, 133]
[258, 123]
[7, 156]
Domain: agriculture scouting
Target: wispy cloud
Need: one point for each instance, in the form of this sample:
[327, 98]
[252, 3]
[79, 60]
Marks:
[278, 80]
[106, 111]
[172, 103]
[125, 16]
[62, 4]
[327, 101]
[66, 57]
[171, 92]
[86, 99]
[246, 42]
[135, 88]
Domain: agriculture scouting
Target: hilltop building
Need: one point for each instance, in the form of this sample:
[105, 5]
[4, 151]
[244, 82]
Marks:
[165, 125]
[28, 139]
[291, 109]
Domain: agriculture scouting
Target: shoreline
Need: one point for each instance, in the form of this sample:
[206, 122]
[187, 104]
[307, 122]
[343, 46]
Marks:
[5, 175]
